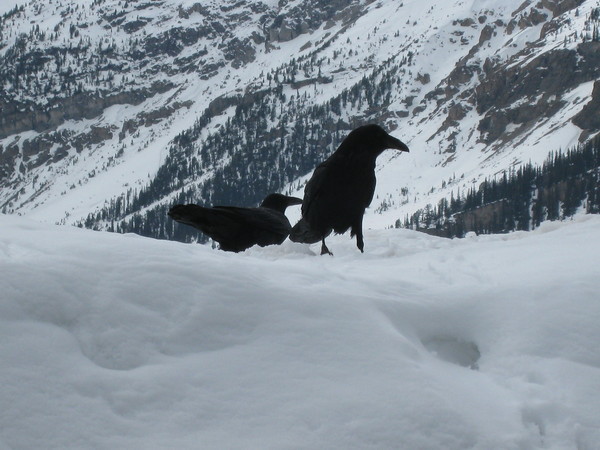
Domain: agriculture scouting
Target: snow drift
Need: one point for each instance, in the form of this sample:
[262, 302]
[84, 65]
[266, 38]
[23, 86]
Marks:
[116, 341]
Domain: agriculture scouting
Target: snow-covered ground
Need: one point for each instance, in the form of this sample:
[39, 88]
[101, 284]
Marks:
[8, 5]
[114, 341]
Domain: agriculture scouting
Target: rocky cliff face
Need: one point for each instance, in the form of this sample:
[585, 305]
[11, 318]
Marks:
[137, 103]
[543, 82]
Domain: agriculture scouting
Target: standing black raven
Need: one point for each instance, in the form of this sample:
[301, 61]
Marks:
[237, 229]
[342, 187]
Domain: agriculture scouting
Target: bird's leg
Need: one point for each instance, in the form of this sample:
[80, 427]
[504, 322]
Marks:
[324, 249]
[359, 242]
[357, 229]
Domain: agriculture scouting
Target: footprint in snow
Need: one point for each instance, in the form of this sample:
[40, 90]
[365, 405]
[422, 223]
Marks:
[455, 351]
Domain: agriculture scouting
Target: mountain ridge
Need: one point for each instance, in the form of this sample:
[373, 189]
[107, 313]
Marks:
[225, 102]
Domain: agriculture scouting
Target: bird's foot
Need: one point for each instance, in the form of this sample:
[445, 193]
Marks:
[360, 243]
[325, 250]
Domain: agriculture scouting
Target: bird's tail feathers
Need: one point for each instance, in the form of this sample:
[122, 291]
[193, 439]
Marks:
[194, 215]
[303, 233]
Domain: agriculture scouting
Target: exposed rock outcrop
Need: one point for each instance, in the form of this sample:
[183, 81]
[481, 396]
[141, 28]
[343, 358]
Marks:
[589, 117]
[16, 118]
[524, 94]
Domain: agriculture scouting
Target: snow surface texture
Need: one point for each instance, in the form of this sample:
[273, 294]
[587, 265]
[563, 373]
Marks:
[116, 341]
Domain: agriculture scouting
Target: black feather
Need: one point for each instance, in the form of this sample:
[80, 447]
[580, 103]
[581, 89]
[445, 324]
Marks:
[342, 187]
[236, 228]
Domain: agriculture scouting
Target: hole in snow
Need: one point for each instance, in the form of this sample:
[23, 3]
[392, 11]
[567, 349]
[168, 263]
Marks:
[454, 350]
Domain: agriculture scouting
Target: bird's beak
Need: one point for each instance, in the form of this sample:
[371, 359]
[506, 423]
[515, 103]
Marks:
[397, 144]
[294, 201]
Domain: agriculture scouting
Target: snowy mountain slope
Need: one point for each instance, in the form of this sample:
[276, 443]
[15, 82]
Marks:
[116, 341]
[262, 91]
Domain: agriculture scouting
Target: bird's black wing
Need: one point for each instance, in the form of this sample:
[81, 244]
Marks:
[331, 194]
[314, 189]
[235, 228]
[261, 226]
[220, 224]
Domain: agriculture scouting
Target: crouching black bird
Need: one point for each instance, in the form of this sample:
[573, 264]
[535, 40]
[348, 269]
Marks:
[236, 228]
[342, 187]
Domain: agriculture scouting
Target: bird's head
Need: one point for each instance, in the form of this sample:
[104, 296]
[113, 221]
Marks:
[376, 139]
[279, 202]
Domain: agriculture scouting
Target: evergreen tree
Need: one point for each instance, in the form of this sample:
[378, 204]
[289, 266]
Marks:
[521, 199]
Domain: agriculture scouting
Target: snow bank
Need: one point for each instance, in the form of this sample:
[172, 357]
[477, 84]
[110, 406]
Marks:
[116, 341]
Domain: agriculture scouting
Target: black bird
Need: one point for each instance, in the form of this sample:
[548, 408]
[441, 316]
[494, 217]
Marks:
[342, 187]
[236, 228]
